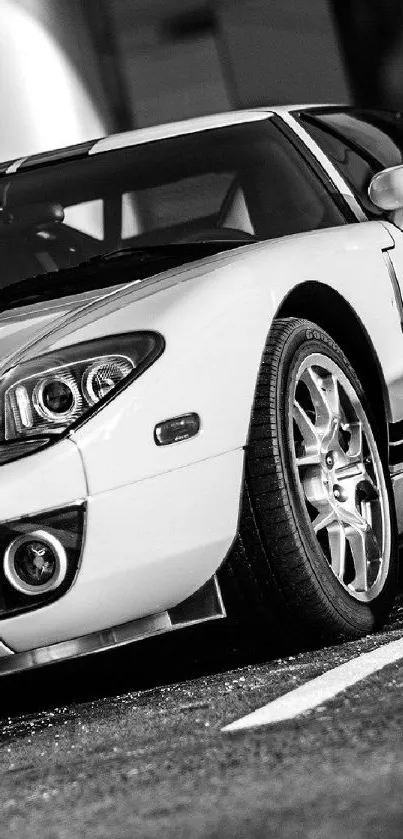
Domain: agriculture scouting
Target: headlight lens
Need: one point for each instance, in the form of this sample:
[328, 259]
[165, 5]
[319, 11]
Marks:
[103, 376]
[48, 395]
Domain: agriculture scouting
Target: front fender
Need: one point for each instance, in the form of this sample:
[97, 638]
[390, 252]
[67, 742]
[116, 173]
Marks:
[215, 319]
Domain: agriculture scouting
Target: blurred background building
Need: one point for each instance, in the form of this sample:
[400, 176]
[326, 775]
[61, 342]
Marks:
[71, 70]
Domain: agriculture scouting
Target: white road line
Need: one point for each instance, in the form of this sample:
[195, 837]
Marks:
[322, 688]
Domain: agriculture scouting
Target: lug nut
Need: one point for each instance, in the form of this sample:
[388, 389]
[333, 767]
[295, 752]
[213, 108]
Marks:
[339, 493]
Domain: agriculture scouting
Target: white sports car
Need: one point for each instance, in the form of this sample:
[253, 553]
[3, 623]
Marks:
[201, 381]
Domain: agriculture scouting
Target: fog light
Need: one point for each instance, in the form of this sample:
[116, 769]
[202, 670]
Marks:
[35, 563]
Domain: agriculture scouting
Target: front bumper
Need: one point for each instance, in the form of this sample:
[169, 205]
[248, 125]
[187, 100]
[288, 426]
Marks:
[148, 546]
[205, 605]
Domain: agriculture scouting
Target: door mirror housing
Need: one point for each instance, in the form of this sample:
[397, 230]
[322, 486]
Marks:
[386, 192]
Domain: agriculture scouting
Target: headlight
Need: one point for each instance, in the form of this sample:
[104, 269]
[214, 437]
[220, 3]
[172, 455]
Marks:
[44, 397]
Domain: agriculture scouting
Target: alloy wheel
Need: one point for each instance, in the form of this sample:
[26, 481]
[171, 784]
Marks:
[340, 476]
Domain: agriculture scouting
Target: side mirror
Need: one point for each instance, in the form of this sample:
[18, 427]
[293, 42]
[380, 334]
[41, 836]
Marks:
[386, 192]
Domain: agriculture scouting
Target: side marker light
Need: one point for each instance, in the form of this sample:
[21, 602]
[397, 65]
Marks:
[177, 429]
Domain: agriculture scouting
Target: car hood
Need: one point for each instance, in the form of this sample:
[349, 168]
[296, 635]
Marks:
[49, 325]
[20, 327]
[40, 325]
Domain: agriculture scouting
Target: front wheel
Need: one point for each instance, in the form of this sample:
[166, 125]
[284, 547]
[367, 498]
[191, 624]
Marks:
[316, 552]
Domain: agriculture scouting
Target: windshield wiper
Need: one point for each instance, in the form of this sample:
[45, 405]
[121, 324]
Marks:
[85, 276]
[173, 249]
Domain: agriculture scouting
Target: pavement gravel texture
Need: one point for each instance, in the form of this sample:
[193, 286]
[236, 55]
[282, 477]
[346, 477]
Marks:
[130, 745]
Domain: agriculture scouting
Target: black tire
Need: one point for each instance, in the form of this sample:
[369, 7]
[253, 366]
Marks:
[276, 577]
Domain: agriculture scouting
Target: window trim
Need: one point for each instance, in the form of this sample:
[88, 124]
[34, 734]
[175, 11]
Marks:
[366, 155]
[322, 166]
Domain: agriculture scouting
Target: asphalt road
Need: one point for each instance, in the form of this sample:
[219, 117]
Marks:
[98, 749]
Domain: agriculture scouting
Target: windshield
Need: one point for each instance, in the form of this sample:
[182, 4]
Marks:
[234, 185]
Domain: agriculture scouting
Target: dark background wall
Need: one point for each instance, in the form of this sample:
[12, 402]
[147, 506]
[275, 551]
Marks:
[188, 57]
[107, 65]
[371, 38]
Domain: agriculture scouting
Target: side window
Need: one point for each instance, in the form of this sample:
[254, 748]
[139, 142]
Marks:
[359, 144]
[355, 169]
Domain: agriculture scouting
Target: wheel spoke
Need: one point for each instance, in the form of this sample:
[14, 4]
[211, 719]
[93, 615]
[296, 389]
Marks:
[366, 511]
[324, 519]
[337, 545]
[364, 547]
[357, 543]
[309, 459]
[353, 519]
[324, 394]
[307, 430]
[355, 446]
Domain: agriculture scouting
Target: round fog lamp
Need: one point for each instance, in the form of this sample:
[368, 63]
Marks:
[35, 563]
